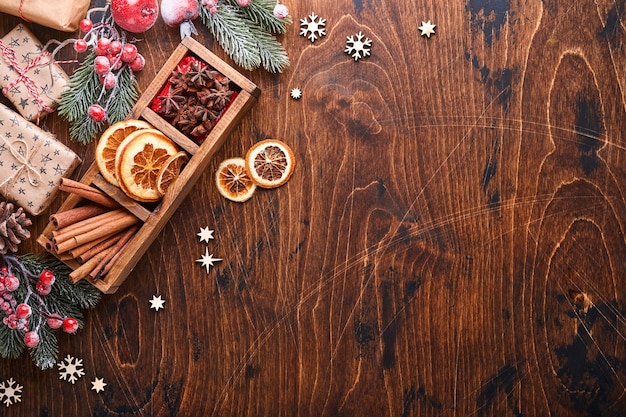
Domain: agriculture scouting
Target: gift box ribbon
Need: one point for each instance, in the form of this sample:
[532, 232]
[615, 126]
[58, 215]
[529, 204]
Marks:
[23, 157]
[8, 54]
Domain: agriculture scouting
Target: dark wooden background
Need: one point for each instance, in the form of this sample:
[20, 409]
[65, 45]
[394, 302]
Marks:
[453, 196]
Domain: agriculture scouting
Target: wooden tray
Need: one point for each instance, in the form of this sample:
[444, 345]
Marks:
[154, 219]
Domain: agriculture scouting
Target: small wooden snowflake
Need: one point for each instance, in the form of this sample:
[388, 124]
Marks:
[71, 369]
[312, 28]
[10, 392]
[296, 93]
[358, 46]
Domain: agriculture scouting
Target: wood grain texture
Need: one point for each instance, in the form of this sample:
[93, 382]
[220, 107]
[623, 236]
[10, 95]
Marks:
[451, 244]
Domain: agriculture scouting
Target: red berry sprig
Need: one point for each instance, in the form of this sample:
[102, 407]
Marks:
[17, 316]
[113, 52]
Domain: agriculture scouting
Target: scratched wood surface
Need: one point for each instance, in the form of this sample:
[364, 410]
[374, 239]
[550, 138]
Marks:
[452, 242]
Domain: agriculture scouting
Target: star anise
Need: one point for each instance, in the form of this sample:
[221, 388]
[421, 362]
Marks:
[201, 76]
[180, 81]
[202, 113]
[185, 120]
[171, 102]
[220, 95]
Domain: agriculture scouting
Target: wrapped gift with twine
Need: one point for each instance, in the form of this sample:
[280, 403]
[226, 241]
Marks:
[27, 77]
[64, 15]
[32, 162]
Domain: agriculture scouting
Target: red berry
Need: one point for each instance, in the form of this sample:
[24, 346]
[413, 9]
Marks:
[23, 311]
[104, 43]
[80, 46]
[4, 270]
[70, 325]
[47, 277]
[97, 113]
[55, 321]
[43, 289]
[138, 63]
[85, 25]
[31, 339]
[129, 52]
[115, 47]
[11, 282]
[108, 81]
[101, 65]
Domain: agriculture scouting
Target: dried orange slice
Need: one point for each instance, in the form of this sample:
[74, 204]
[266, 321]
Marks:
[270, 163]
[139, 159]
[170, 170]
[233, 180]
[109, 142]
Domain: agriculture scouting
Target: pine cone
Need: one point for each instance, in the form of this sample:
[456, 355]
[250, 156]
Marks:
[12, 227]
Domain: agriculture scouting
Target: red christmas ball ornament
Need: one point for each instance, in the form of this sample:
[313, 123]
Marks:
[135, 15]
[85, 25]
[47, 277]
[70, 325]
[80, 46]
[31, 339]
[55, 321]
[97, 113]
[23, 311]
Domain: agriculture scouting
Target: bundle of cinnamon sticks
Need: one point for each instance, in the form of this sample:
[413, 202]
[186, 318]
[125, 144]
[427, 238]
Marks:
[93, 234]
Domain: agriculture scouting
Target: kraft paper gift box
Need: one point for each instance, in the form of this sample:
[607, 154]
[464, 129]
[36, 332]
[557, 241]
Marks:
[62, 15]
[32, 162]
[26, 78]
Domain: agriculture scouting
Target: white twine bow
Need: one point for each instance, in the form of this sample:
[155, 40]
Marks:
[24, 160]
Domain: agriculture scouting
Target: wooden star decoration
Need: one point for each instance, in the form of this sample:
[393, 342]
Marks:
[98, 384]
[207, 260]
[427, 29]
[205, 234]
[157, 302]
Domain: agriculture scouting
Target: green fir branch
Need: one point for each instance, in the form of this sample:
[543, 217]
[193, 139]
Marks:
[261, 12]
[273, 56]
[235, 38]
[86, 89]
[244, 35]
[45, 354]
[11, 343]
[83, 91]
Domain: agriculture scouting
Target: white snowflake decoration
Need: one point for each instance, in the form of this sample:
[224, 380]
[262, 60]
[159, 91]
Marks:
[10, 392]
[312, 28]
[70, 369]
[296, 93]
[358, 48]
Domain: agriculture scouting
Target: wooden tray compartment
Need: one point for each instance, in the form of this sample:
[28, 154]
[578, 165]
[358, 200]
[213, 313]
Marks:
[154, 217]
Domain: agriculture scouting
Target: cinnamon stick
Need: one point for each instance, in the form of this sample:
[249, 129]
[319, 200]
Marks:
[83, 270]
[88, 192]
[103, 244]
[69, 217]
[82, 249]
[86, 225]
[106, 230]
[105, 265]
